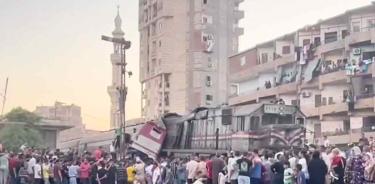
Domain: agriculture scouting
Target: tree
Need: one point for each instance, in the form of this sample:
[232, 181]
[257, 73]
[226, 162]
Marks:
[13, 136]
[21, 115]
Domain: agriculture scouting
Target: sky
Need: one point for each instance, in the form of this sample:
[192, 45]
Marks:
[51, 50]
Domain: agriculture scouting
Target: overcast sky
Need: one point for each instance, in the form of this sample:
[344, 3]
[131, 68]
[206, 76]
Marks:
[51, 50]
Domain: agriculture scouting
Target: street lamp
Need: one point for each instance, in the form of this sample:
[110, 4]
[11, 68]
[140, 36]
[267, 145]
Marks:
[122, 89]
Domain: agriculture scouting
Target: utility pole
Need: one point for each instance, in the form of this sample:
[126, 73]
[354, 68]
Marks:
[4, 97]
[122, 89]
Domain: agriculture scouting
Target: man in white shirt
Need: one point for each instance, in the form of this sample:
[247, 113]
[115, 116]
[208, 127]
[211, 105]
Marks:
[37, 171]
[233, 168]
[325, 156]
[30, 165]
[326, 142]
[293, 160]
[191, 168]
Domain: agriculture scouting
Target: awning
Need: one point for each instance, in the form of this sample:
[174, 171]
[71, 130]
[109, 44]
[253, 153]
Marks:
[311, 66]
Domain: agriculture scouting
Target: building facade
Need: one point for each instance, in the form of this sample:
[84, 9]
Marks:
[326, 69]
[184, 46]
[61, 113]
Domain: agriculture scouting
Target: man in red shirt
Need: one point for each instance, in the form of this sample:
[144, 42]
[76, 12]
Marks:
[98, 153]
[84, 172]
[209, 169]
[13, 166]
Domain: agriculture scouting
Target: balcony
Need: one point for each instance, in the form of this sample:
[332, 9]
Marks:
[359, 37]
[239, 14]
[365, 101]
[333, 108]
[348, 137]
[252, 72]
[284, 60]
[262, 93]
[339, 44]
[333, 78]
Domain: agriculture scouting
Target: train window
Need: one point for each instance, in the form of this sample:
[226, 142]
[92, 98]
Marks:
[155, 133]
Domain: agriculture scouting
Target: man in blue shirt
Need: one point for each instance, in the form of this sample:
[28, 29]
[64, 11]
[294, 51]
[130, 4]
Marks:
[256, 169]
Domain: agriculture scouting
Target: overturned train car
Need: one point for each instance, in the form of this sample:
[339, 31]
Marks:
[214, 130]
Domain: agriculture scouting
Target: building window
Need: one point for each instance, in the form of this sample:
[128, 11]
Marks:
[330, 37]
[153, 29]
[160, 26]
[330, 101]
[205, 1]
[371, 23]
[344, 33]
[166, 98]
[306, 42]
[243, 60]
[209, 98]
[356, 27]
[159, 43]
[208, 81]
[154, 10]
[286, 49]
[264, 58]
[166, 79]
[324, 101]
[254, 123]
[317, 41]
[318, 100]
[209, 62]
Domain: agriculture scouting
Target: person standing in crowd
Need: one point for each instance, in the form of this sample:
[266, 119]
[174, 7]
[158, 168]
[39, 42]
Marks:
[101, 176]
[46, 170]
[233, 167]
[149, 171]
[37, 172]
[278, 170]
[303, 159]
[140, 171]
[166, 174]
[130, 170]
[209, 169]
[292, 160]
[111, 172]
[337, 166]
[317, 169]
[156, 174]
[201, 168]
[217, 166]
[98, 153]
[84, 169]
[181, 172]
[256, 169]
[24, 175]
[121, 173]
[243, 167]
[191, 168]
[266, 177]
[300, 175]
[30, 166]
[94, 172]
[58, 178]
[73, 170]
[288, 173]
[355, 168]
[13, 164]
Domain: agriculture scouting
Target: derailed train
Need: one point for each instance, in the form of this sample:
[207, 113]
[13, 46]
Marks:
[212, 130]
[215, 130]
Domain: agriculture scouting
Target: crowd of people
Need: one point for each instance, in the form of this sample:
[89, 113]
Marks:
[312, 165]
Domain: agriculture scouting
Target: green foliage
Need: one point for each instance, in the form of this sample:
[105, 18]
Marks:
[21, 115]
[14, 136]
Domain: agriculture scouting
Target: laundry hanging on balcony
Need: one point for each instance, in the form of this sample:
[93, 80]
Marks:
[310, 69]
[209, 42]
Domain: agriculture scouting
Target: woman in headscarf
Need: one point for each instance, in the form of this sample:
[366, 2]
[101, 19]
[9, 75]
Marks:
[354, 172]
[337, 167]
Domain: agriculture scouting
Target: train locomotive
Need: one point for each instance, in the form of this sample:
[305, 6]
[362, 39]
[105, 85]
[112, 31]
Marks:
[242, 128]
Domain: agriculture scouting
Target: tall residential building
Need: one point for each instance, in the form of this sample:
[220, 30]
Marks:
[113, 92]
[184, 46]
[327, 69]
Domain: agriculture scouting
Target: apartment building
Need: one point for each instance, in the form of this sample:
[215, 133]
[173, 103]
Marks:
[326, 69]
[184, 46]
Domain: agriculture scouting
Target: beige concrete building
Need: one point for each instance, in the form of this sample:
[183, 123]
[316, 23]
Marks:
[184, 46]
[64, 114]
[327, 69]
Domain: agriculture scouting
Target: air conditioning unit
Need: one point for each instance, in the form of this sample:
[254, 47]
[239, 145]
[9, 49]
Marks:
[357, 51]
[306, 94]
